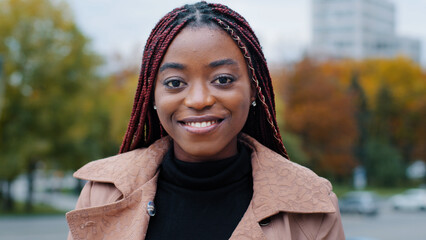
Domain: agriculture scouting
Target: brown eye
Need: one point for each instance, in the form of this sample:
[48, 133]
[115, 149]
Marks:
[223, 80]
[174, 83]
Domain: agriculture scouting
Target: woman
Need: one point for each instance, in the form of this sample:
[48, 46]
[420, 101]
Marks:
[202, 157]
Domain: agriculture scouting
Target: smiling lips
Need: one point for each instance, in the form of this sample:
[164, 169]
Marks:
[200, 126]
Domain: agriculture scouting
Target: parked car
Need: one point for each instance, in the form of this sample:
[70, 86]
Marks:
[411, 199]
[361, 202]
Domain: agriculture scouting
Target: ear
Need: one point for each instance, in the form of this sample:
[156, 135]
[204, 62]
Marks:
[253, 94]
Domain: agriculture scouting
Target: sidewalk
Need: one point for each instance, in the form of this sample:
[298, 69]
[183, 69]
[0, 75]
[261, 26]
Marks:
[33, 228]
[38, 227]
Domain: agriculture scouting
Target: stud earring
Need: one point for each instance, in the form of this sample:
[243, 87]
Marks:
[253, 103]
[155, 107]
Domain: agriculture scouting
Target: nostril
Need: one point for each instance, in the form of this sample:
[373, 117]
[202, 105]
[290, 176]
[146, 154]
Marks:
[199, 100]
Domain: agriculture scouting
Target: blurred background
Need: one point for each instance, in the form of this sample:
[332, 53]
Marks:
[350, 87]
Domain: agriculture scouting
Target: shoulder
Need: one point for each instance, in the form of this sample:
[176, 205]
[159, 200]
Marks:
[289, 193]
[137, 161]
[275, 167]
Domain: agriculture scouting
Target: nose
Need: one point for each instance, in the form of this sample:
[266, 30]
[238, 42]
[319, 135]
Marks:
[199, 97]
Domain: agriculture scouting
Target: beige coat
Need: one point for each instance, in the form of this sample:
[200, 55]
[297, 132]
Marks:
[113, 204]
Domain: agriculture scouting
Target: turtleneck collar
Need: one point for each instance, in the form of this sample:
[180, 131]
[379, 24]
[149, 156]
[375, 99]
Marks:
[206, 175]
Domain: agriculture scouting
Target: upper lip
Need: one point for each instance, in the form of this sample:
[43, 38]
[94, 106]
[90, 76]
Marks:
[203, 118]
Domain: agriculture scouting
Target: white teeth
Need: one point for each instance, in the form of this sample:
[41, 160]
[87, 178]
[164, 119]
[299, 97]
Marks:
[200, 124]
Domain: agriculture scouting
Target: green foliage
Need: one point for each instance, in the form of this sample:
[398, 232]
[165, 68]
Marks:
[362, 116]
[47, 107]
[384, 163]
[48, 74]
[294, 147]
[384, 115]
[383, 159]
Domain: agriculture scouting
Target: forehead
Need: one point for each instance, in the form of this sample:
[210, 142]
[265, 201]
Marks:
[205, 44]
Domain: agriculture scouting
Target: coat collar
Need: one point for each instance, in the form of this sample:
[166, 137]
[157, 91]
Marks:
[278, 184]
[127, 171]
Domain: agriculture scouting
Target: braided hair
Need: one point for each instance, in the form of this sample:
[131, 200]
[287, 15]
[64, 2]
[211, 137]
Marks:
[144, 126]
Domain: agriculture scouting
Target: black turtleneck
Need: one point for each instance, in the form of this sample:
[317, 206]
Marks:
[203, 200]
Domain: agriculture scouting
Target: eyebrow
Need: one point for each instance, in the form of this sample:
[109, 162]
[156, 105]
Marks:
[214, 64]
[222, 62]
[171, 65]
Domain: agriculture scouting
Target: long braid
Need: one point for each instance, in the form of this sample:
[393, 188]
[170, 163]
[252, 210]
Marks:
[140, 126]
[144, 126]
[265, 81]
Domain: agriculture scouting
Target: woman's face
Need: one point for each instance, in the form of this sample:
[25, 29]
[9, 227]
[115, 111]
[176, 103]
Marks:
[203, 94]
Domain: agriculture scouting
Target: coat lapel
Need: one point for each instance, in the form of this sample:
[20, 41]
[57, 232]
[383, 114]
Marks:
[124, 219]
[248, 227]
[127, 171]
[135, 175]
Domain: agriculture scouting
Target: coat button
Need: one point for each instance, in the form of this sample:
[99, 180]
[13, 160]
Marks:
[150, 208]
[265, 222]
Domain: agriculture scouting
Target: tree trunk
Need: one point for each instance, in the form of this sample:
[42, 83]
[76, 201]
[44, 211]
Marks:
[30, 189]
[8, 204]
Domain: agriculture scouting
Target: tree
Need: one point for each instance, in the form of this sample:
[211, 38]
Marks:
[384, 116]
[384, 163]
[384, 160]
[387, 104]
[362, 117]
[292, 142]
[48, 65]
[321, 113]
[405, 84]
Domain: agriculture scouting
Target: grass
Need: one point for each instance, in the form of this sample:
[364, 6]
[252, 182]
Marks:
[38, 209]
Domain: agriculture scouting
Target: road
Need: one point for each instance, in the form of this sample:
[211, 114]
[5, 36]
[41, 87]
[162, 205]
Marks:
[33, 228]
[388, 225]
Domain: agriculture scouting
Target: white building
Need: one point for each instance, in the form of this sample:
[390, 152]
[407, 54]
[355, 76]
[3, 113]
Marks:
[358, 29]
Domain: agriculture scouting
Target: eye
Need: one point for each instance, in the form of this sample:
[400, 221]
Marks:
[174, 83]
[223, 80]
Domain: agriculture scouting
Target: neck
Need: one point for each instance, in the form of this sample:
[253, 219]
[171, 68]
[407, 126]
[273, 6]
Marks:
[204, 155]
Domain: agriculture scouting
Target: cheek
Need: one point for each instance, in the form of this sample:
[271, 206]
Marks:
[164, 109]
[240, 105]
[163, 106]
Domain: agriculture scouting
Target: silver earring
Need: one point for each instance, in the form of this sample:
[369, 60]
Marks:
[253, 103]
[155, 107]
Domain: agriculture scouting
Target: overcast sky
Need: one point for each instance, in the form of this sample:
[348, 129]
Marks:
[283, 26]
